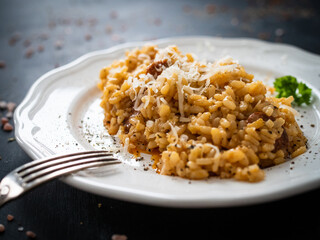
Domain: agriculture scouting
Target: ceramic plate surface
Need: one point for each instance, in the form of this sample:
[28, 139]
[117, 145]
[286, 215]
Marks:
[61, 113]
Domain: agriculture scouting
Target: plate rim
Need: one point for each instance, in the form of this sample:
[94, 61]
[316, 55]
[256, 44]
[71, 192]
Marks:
[151, 199]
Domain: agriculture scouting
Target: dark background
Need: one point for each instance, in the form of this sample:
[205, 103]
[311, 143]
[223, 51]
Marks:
[37, 36]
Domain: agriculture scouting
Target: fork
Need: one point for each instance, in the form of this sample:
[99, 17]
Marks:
[34, 173]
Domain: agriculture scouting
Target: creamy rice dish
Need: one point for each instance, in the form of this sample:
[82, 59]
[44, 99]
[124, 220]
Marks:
[198, 119]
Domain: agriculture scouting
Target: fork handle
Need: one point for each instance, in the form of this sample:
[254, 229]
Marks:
[4, 194]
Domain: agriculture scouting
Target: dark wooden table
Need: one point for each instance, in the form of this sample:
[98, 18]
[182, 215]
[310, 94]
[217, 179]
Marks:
[37, 36]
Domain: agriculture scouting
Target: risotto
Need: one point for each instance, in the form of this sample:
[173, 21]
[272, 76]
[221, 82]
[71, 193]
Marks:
[198, 119]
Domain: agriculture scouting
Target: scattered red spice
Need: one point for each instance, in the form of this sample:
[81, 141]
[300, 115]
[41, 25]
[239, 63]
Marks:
[88, 37]
[108, 29]
[43, 36]
[113, 14]
[65, 21]
[79, 22]
[27, 43]
[14, 39]
[52, 24]
[187, 8]
[115, 37]
[234, 21]
[210, 8]
[93, 22]
[124, 27]
[40, 48]
[264, 35]
[157, 22]
[29, 53]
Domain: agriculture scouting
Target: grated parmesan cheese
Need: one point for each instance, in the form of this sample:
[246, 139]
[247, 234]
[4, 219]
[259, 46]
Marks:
[192, 78]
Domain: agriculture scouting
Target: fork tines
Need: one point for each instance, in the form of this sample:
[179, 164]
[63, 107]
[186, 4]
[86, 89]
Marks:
[64, 164]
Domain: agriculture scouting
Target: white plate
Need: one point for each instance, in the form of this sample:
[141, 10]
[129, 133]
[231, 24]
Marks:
[61, 113]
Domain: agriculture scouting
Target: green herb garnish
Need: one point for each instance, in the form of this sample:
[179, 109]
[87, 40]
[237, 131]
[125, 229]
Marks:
[287, 86]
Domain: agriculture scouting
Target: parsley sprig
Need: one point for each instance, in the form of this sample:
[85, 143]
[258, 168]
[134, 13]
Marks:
[287, 86]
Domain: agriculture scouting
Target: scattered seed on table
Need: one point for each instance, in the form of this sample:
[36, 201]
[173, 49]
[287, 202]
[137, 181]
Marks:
[108, 29]
[11, 139]
[115, 37]
[31, 234]
[7, 127]
[157, 22]
[11, 106]
[88, 37]
[2, 228]
[2, 64]
[43, 36]
[9, 114]
[10, 217]
[279, 32]
[4, 120]
[119, 237]
[40, 48]
[58, 44]
[113, 14]
[79, 22]
[27, 43]
[93, 22]
[52, 24]
[210, 8]
[29, 53]
[3, 105]
[14, 39]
